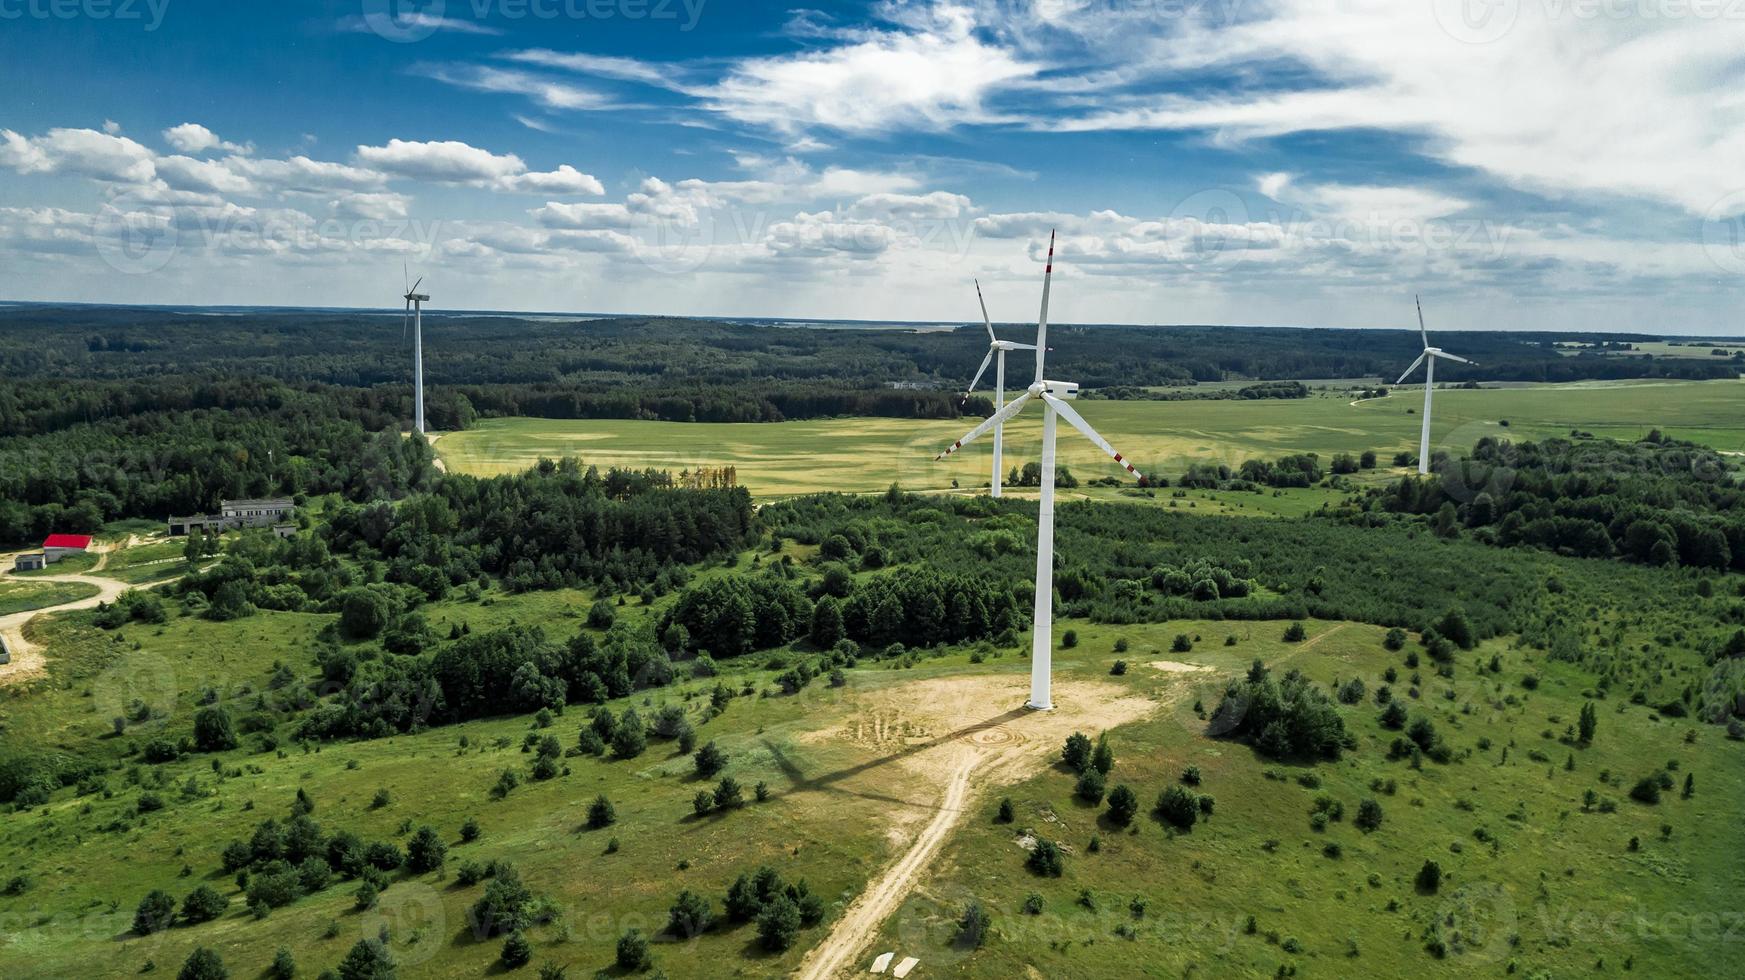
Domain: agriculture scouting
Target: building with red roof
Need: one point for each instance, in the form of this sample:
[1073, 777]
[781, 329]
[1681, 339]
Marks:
[58, 546]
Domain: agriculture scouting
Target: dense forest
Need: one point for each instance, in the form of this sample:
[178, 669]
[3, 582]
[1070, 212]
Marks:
[1658, 501]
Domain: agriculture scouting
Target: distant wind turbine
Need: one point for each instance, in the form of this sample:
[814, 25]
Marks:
[415, 301]
[1054, 396]
[1428, 359]
[997, 349]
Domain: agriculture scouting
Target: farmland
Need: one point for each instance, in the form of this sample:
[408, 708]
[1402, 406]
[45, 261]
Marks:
[861, 454]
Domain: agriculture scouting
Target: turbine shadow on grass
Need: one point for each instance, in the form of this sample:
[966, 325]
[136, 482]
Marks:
[827, 782]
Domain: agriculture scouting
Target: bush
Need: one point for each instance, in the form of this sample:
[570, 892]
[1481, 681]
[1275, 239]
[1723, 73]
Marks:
[1191, 776]
[284, 966]
[203, 904]
[632, 952]
[728, 795]
[629, 739]
[203, 964]
[470, 831]
[1090, 787]
[601, 813]
[1646, 790]
[1283, 718]
[972, 927]
[425, 851]
[690, 916]
[709, 760]
[1395, 640]
[1077, 752]
[368, 960]
[517, 951]
[1069, 639]
[1045, 859]
[1369, 815]
[1007, 812]
[778, 925]
[1178, 806]
[213, 730]
[155, 913]
[1123, 805]
[1032, 904]
[1429, 878]
[1295, 633]
[1118, 668]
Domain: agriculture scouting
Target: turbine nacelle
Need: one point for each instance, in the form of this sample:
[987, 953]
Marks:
[417, 297]
[1064, 390]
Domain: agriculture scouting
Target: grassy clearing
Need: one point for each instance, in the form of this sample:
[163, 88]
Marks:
[17, 597]
[146, 562]
[1560, 890]
[861, 454]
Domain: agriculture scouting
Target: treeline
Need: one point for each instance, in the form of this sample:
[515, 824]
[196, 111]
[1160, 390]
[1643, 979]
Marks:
[1658, 501]
[1262, 390]
[770, 402]
[77, 454]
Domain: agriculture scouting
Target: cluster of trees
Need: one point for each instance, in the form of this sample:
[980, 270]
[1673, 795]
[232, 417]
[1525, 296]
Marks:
[1189, 392]
[1657, 501]
[1285, 718]
[80, 453]
[557, 525]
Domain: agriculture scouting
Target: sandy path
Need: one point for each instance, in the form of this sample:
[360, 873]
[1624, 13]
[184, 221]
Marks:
[969, 752]
[1322, 636]
[438, 462]
[861, 922]
[27, 659]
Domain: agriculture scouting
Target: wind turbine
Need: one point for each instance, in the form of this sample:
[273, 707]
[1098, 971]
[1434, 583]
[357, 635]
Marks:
[1428, 359]
[997, 349]
[415, 301]
[1054, 396]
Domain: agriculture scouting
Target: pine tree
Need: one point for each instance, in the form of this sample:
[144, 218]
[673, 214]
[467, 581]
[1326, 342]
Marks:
[1103, 759]
[1588, 722]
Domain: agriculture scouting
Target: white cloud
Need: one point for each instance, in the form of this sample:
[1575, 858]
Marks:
[826, 234]
[542, 91]
[581, 216]
[564, 180]
[934, 205]
[446, 161]
[194, 138]
[604, 66]
[371, 205]
[413, 23]
[301, 175]
[204, 176]
[84, 152]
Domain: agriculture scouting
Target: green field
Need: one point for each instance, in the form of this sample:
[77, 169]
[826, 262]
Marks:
[865, 454]
[16, 597]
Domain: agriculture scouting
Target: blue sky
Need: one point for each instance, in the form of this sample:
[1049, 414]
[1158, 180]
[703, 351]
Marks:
[1527, 164]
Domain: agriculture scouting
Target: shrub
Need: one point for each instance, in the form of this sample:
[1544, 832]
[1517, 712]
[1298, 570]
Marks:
[778, 925]
[1069, 639]
[203, 964]
[1032, 904]
[213, 730]
[203, 904]
[155, 913]
[601, 813]
[1118, 668]
[284, 966]
[690, 916]
[1429, 878]
[728, 795]
[1369, 815]
[1123, 805]
[1181, 644]
[703, 803]
[1090, 787]
[470, 831]
[1178, 807]
[632, 952]
[972, 926]
[1395, 640]
[1007, 812]
[1045, 859]
[629, 739]
[709, 760]
[368, 960]
[517, 951]
[425, 851]
[1191, 776]
[1295, 633]
[1646, 790]
[1077, 752]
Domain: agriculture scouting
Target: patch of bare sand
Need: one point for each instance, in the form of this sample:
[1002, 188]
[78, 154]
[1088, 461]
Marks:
[967, 734]
[1177, 667]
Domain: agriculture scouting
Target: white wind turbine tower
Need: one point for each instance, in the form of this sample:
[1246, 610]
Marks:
[1054, 396]
[997, 349]
[1428, 359]
[415, 301]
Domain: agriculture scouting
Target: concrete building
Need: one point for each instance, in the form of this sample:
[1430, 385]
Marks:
[30, 562]
[233, 514]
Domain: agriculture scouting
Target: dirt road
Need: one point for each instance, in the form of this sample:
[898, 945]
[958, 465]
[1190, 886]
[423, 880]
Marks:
[27, 660]
[941, 732]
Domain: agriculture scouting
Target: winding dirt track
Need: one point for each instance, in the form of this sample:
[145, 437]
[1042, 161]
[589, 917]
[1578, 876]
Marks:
[27, 660]
[861, 922]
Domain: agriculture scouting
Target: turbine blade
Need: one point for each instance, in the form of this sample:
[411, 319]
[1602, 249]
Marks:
[1414, 367]
[1421, 331]
[1042, 318]
[405, 276]
[1011, 409]
[986, 360]
[406, 321]
[1077, 421]
[1020, 346]
[1455, 357]
[415, 285]
[985, 321]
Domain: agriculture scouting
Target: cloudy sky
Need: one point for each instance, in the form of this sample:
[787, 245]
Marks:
[1524, 164]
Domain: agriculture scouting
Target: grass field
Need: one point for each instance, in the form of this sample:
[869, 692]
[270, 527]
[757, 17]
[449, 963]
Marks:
[16, 597]
[866, 454]
[146, 562]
